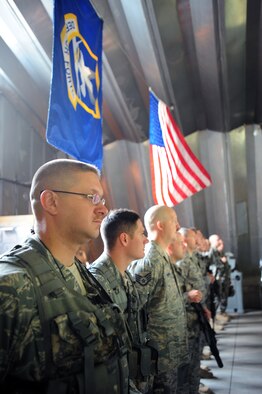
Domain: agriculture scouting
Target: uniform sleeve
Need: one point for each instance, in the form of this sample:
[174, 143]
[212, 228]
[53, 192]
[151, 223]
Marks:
[183, 266]
[148, 276]
[193, 278]
[196, 278]
[100, 277]
[16, 294]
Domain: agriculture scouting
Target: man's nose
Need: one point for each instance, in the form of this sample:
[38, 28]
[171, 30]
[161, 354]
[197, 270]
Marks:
[102, 209]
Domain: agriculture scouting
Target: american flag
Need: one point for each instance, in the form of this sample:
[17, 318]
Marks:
[176, 172]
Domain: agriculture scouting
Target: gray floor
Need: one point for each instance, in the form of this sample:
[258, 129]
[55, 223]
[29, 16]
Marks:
[240, 347]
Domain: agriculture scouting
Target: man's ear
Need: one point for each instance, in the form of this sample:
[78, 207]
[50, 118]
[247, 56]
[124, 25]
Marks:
[123, 238]
[159, 225]
[49, 201]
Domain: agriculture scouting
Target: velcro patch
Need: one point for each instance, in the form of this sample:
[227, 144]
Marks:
[143, 280]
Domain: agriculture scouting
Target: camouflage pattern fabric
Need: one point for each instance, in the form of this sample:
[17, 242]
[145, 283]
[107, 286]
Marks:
[23, 353]
[110, 278]
[203, 261]
[191, 278]
[166, 382]
[158, 286]
[193, 274]
[122, 291]
[221, 271]
[189, 382]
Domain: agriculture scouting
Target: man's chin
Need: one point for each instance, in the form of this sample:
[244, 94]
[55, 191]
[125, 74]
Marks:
[95, 234]
[92, 235]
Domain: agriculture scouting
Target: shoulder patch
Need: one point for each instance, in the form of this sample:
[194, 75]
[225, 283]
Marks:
[143, 280]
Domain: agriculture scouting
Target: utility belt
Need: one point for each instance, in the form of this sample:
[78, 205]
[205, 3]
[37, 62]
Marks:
[142, 360]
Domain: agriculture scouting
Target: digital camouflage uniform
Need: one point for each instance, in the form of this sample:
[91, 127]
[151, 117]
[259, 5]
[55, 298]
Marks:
[110, 278]
[203, 259]
[191, 277]
[53, 339]
[157, 283]
[221, 271]
[204, 262]
[122, 291]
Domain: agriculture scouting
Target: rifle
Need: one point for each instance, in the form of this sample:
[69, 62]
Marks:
[208, 332]
[214, 296]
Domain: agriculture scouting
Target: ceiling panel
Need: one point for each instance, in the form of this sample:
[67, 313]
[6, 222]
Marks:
[203, 58]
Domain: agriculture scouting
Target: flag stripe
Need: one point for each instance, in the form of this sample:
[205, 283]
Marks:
[183, 171]
[195, 164]
[188, 185]
[175, 170]
[176, 162]
[168, 197]
[156, 175]
[191, 164]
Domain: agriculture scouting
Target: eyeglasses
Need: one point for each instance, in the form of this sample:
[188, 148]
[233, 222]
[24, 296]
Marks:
[94, 198]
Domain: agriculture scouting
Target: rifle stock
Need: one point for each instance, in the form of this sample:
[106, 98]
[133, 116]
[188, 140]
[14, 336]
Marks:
[209, 333]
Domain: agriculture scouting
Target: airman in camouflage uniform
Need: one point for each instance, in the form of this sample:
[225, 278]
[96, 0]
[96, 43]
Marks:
[124, 240]
[59, 333]
[157, 283]
[202, 255]
[194, 291]
[221, 270]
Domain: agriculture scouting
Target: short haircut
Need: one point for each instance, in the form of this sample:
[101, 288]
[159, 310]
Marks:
[185, 230]
[116, 222]
[155, 213]
[58, 173]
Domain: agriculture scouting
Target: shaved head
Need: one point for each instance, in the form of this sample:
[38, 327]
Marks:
[216, 242]
[154, 214]
[161, 224]
[213, 239]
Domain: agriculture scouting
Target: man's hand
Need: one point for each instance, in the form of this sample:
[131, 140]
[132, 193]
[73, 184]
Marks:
[194, 296]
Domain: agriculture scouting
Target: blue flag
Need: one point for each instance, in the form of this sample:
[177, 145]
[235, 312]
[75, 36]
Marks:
[75, 106]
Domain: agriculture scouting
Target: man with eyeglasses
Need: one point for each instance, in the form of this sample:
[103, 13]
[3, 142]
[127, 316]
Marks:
[59, 333]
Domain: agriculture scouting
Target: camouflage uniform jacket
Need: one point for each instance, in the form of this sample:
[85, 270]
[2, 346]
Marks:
[110, 278]
[157, 283]
[27, 353]
[191, 278]
[122, 292]
[203, 261]
[221, 270]
[191, 271]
